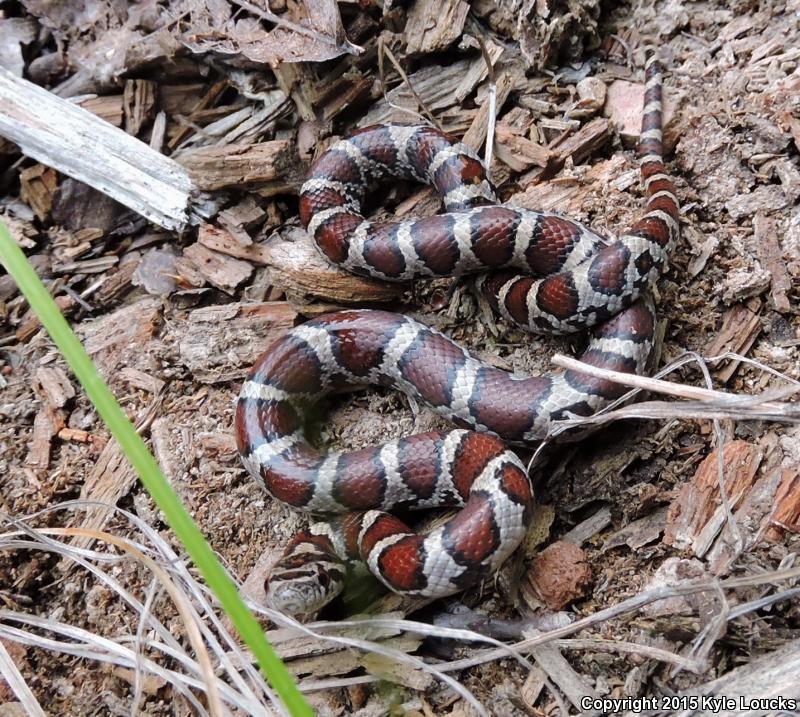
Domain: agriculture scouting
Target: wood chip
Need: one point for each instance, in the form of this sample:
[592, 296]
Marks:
[638, 533]
[741, 326]
[139, 102]
[770, 254]
[786, 514]
[696, 515]
[221, 343]
[140, 379]
[583, 143]
[37, 187]
[434, 25]
[224, 272]
[562, 674]
[272, 164]
[438, 86]
[30, 323]
[53, 386]
[519, 152]
[590, 527]
[569, 198]
[222, 241]
[107, 107]
[475, 136]
[240, 218]
[74, 434]
[394, 671]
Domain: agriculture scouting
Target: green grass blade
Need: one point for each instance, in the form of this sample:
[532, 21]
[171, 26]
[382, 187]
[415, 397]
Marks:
[136, 451]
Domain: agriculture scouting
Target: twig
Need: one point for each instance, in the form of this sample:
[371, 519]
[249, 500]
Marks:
[492, 99]
[670, 388]
[89, 149]
[384, 50]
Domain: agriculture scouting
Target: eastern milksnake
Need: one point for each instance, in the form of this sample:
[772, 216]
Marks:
[579, 280]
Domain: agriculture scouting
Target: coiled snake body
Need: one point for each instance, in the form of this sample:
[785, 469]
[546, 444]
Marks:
[573, 279]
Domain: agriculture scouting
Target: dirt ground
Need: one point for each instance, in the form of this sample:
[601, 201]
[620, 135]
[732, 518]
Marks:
[166, 318]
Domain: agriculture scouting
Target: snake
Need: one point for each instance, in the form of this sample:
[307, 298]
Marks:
[540, 270]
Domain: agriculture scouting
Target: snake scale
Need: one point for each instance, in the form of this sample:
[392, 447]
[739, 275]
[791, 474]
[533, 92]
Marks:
[538, 269]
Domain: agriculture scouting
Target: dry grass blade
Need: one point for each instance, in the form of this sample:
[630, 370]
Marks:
[706, 403]
[190, 618]
[625, 607]
[16, 682]
[378, 649]
[250, 693]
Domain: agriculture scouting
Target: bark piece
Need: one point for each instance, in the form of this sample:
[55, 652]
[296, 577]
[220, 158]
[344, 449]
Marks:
[112, 339]
[109, 480]
[37, 187]
[118, 164]
[519, 152]
[53, 386]
[224, 272]
[298, 269]
[221, 343]
[434, 24]
[139, 103]
[46, 425]
[696, 515]
[560, 574]
[117, 283]
[769, 252]
[786, 514]
[221, 240]
[740, 328]
[274, 163]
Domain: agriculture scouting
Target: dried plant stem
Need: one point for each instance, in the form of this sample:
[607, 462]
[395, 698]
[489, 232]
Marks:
[670, 388]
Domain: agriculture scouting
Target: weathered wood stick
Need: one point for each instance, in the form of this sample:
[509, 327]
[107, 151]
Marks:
[72, 140]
